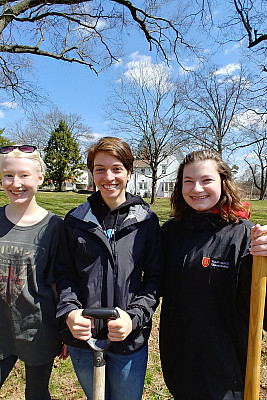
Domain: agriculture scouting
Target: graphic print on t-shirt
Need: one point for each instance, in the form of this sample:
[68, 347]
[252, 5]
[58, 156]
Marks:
[16, 264]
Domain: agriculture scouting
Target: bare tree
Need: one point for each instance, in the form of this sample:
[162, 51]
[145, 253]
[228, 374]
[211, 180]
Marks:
[252, 15]
[256, 158]
[145, 106]
[212, 100]
[88, 32]
[39, 126]
[243, 20]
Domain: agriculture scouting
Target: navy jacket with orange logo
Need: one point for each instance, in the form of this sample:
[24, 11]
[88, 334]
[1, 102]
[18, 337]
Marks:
[205, 308]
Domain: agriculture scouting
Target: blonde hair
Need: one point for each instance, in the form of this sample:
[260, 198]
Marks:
[34, 156]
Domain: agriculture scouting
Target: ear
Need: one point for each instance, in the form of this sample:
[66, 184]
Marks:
[128, 176]
[41, 179]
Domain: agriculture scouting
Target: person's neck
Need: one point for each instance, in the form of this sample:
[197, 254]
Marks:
[114, 204]
[25, 214]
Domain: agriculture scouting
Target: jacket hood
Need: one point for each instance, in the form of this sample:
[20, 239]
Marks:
[202, 221]
[95, 209]
[246, 214]
[97, 203]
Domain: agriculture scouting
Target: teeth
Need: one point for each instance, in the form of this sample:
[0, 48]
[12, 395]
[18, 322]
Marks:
[109, 186]
[199, 197]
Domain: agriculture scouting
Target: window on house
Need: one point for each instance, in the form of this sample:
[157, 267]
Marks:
[142, 170]
[163, 169]
[143, 185]
[168, 186]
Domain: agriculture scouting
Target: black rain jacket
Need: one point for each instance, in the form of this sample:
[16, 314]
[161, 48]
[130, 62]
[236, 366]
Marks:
[123, 271]
[205, 309]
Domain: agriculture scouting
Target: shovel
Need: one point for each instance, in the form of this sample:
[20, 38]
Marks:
[257, 305]
[99, 347]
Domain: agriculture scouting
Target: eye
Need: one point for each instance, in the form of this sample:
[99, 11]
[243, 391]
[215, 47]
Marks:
[117, 169]
[99, 170]
[188, 181]
[208, 180]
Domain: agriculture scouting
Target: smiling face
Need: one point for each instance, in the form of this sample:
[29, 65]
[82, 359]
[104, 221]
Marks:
[201, 185]
[20, 179]
[110, 177]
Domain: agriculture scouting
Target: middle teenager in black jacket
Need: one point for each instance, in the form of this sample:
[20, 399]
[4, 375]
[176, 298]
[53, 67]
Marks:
[109, 256]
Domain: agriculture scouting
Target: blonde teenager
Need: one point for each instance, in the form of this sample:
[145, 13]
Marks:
[28, 243]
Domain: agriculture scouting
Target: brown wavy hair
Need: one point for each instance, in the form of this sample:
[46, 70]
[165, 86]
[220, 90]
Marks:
[229, 204]
[115, 147]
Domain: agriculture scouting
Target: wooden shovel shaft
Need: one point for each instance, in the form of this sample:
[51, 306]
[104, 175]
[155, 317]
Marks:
[257, 304]
[99, 383]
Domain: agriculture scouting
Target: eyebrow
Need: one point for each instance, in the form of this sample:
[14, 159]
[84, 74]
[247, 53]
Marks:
[113, 165]
[10, 170]
[202, 176]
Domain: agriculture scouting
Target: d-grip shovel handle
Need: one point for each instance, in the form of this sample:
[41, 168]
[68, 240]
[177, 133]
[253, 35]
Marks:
[99, 347]
[100, 313]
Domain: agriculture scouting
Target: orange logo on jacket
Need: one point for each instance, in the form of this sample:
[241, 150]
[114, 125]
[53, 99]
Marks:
[206, 261]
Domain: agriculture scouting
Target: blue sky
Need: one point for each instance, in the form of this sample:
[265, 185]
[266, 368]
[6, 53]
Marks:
[76, 89]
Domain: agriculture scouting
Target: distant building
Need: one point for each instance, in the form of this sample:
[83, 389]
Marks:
[84, 180]
[141, 182]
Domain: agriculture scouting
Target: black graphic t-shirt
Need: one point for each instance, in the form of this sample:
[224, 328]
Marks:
[28, 327]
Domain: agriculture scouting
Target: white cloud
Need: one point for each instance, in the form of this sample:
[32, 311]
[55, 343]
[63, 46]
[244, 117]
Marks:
[9, 104]
[118, 63]
[92, 25]
[227, 69]
[185, 69]
[2, 115]
[142, 70]
[94, 136]
[235, 47]
[248, 118]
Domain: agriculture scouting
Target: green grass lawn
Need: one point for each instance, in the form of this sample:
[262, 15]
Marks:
[63, 383]
[61, 203]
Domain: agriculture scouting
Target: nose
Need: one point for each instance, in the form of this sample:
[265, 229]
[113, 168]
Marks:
[198, 187]
[109, 175]
[16, 181]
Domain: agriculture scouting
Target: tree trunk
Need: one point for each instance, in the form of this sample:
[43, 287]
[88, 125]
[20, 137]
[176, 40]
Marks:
[154, 185]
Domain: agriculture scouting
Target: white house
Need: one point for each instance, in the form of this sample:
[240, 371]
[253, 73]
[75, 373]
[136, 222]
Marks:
[141, 182]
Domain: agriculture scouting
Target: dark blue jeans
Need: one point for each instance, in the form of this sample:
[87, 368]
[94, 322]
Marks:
[125, 374]
[37, 378]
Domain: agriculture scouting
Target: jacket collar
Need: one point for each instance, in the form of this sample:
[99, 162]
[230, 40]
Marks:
[137, 211]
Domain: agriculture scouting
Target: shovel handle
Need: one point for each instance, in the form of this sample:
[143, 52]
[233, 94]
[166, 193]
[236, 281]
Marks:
[100, 313]
[257, 305]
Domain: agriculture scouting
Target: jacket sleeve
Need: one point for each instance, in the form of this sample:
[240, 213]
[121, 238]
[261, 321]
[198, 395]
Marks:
[146, 298]
[65, 273]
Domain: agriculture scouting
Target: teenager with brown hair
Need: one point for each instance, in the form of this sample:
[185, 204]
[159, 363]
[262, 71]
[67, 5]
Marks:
[207, 259]
[109, 256]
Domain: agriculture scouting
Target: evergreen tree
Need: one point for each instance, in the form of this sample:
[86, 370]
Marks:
[62, 156]
[4, 141]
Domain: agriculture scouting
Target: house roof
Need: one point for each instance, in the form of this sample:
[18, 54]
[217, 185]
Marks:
[141, 164]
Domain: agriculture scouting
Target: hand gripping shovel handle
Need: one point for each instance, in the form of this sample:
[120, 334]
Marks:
[100, 313]
[99, 360]
[257, 305]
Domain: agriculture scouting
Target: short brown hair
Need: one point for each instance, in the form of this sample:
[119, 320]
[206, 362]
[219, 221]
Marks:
[115, 147]
[229, 203]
